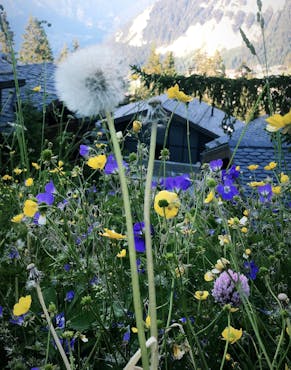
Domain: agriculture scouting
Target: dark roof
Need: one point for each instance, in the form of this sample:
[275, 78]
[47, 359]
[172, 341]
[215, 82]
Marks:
[34, 75]
[200, 114]
[255, 147]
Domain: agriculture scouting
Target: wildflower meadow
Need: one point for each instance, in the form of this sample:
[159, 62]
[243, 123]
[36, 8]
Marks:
[106, 264]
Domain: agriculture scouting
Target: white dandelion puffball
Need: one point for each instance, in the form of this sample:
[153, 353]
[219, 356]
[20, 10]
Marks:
[90, 81]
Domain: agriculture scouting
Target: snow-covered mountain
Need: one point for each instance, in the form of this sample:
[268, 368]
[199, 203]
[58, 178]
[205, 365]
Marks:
[182, 26]
[88, 21]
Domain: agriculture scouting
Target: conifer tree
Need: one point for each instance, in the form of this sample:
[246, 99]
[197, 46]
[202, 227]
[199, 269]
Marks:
[76, 45]
[63, 54]
[169, 64]
[153, 64]
[35, 47]
[6, 35]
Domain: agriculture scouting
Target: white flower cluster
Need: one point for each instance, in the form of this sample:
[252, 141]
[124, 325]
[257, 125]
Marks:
[90, 81]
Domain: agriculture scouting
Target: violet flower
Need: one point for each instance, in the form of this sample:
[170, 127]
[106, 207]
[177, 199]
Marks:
[215, 165]
[70, 296]
[227, 190]
[176, 183]
[231, 174]
[60, 320]
[265, 193]
[229, 287]
[47, 197]
[84, 150]
[126, 337]
[251, 269]
[111, 166]
[139, 237]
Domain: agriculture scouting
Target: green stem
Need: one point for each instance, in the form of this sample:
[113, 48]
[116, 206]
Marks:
[47, 347]
[250, 117]
[92, 351]
[51, 327]
[226, 344]
[149, 251]
[131, 247]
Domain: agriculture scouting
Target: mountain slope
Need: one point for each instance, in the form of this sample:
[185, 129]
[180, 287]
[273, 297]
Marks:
[183, 26]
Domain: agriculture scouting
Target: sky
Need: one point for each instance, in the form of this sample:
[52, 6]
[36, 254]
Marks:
[88, 21]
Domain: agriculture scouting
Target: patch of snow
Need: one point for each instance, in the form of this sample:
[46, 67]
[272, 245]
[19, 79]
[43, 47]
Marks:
[210, 37]
[135, 33]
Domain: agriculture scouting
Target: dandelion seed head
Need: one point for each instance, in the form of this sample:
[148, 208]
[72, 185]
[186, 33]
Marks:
[90, 81]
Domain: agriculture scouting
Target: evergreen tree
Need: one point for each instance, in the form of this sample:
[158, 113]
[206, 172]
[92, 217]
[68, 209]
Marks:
[208, 66]
[217, 65]
[153, 64]
[35, 47]
[63, 54]
[169, 64]
[6, 35]
[76, 45]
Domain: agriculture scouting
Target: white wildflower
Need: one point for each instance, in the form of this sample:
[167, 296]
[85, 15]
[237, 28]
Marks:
[90, 81]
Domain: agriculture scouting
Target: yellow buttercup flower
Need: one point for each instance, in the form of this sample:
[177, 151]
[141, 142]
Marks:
[7, 177]
[136, 126]
[209, 197]
[224, 239]
[276, 122]
[244, 230]
[28, 182]
[255, 184]
[112, 234]
[134, 330]
[180, 271]
[270, 166]
[30, 208]
[98, 162]
[231, 334]
[248, 251]
[178, 351]
[59, 168]
[37, 88]
[208, 276]
[148, 321]
[167, 204]
[227, 357]
[246, 212]
[23, 306]
[121, 254]
[18, 218]
[276, 189]
[284, 178]
[201, 295]
[175, 93]
[17, 171]
[35, 165]
[253, 167]
[220, 265]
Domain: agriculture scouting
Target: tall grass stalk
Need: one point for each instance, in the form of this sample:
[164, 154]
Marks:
[148, 240]
[131, 246]
[19, 127]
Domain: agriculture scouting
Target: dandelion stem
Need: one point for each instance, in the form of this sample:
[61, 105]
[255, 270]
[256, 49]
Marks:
[149, 251]
[131, 246]
[51, 327]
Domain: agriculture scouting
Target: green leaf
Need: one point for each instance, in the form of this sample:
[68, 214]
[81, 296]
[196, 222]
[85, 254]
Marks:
[83, 321]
